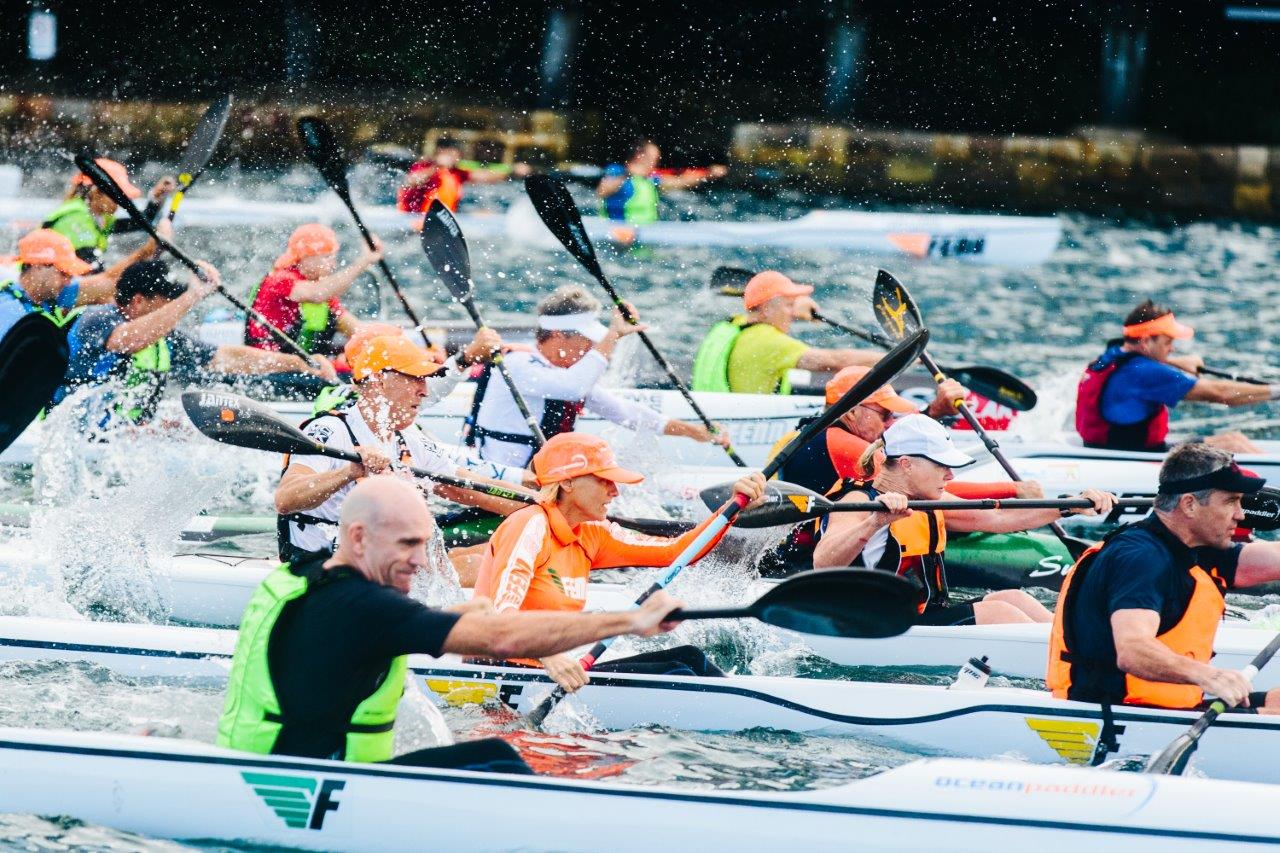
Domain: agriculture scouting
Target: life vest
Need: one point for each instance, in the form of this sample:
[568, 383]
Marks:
[74, 220]
[444, 184]
[1070, 676]
[636, 202]
[1096, 430]
[557, 416]
[822, 463]
[251, 718]
[144, 382]
[58, 315]
[711, 364]
[313, 329]
[914, 549]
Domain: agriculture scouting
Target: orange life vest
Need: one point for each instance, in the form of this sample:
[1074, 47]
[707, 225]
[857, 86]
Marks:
[914, 550]
[1072, 677]
[448, 189]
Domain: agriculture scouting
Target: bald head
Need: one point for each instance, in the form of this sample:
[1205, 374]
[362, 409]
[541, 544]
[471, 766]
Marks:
[383, 530]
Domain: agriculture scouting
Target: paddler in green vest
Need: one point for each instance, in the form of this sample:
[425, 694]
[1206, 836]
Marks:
[134, 341]
[87, 217]
[752, 352]
[629, 192]
[321, 657]
[49, 281]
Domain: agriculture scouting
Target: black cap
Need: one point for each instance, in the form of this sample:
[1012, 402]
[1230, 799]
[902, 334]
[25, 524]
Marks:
[1228, 479]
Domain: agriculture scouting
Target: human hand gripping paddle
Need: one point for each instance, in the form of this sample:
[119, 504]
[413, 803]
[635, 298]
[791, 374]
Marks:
[895, 602]
[200, 148]
[991, 382]
[240, 422]
[899, 317]
[321, 148]
[559, 213]
[447, 251]
[109, 187]
[1172, 760]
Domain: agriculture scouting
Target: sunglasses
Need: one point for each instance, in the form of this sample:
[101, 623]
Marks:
[879, 411]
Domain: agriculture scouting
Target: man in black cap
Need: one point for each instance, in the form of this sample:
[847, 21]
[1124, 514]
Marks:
[1137, 616]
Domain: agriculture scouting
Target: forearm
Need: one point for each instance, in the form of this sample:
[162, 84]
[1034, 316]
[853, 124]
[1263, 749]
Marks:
[326, 288]
[531, 633]
[1152, 660]
[301, 490]
[236, 358]
[998, 520]
[685, 430]
[1226, 392]
[131, 336]
[841, 544]
[835, 359]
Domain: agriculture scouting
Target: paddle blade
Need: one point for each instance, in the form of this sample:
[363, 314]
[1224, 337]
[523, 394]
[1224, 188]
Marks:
[784, 503]
[862, 603]
[730, 281]
[33, 363]
[1262, 509]
[894, 308]
[321, 148]
[1172, 760]
[995, 384]
[446, 250]
[884, 371]
[204, 140]
[560, 214]
[241, 422]
[109, 187]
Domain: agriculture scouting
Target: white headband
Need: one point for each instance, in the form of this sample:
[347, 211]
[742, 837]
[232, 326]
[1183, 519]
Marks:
[582, 324]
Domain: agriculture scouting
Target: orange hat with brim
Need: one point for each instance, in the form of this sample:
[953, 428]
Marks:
[307, 241]
[1165, 324]
[882, 396]
[390, 352]
[46, 247]
[575, 454]
[117, 172]
[769, 285]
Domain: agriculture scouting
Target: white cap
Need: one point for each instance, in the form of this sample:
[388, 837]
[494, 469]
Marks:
[580, 324]
[919, 435]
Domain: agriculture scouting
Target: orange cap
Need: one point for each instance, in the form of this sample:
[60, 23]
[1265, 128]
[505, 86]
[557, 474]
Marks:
[116, 171]
[574, 454]
[372, 354]
[1165, 324]
[769, 284]
[307, 241]
[882, 396]
[46, 247]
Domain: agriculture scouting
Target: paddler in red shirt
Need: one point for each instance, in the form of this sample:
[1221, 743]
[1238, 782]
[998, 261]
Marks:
[440, 177]
[301, 293]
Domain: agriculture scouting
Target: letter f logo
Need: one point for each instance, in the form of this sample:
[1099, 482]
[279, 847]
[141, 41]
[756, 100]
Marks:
[324, 802]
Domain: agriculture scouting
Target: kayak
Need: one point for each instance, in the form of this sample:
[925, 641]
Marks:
[973, 723]
[975, 239]
[1066, 468]
[183, 789]
[755, 422]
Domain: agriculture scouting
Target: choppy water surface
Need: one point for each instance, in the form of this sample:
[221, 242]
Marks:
[105, 526]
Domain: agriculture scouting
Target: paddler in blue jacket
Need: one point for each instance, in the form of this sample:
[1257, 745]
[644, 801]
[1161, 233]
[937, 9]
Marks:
[321, 657]
[629, 192]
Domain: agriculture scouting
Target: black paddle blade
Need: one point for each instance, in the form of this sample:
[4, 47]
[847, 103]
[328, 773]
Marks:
[884, 371]
[560, 214]
[321, 148]
[204, 140]
[241, 422]
[894, 307]
[784, 503]
[1262, 509]
[995, 384]
[33, 363]
[446, 250]
[730, 281]
[841, 603]
[110, 188]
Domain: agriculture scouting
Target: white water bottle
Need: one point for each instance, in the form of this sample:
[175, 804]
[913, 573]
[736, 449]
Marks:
[973, 675]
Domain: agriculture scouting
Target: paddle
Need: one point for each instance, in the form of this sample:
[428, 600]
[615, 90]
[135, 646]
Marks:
[830, 603]
[1235, 377]
[899, 316]
[885, 370]
[33, 363]
[200, 148]
[556, 208]
[321, 148]
[991, 382]
[241, 422]
[104, 182]
[447, 252]
[1173, 759]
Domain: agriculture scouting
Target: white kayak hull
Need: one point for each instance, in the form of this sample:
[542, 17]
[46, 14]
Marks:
[186, 790]
[981, 239]
[971, 723]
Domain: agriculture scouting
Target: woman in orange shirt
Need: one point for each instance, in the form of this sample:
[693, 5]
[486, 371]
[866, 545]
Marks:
[541, 557]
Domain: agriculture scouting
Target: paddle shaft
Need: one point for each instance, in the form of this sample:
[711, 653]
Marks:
[500, 364]
[1173, 759]
[1235, 377]
[869, 337]
[985, 503]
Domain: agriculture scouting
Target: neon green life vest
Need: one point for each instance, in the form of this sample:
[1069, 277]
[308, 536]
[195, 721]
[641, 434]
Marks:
[145, 381]
[57, 315]
[711, 364]
[314, 329]
[76, 222]
[251, 719]
[641, 206]
[332, 397]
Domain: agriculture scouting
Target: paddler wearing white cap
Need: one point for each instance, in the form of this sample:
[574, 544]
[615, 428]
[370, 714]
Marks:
[558, 380]
[919, 460]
